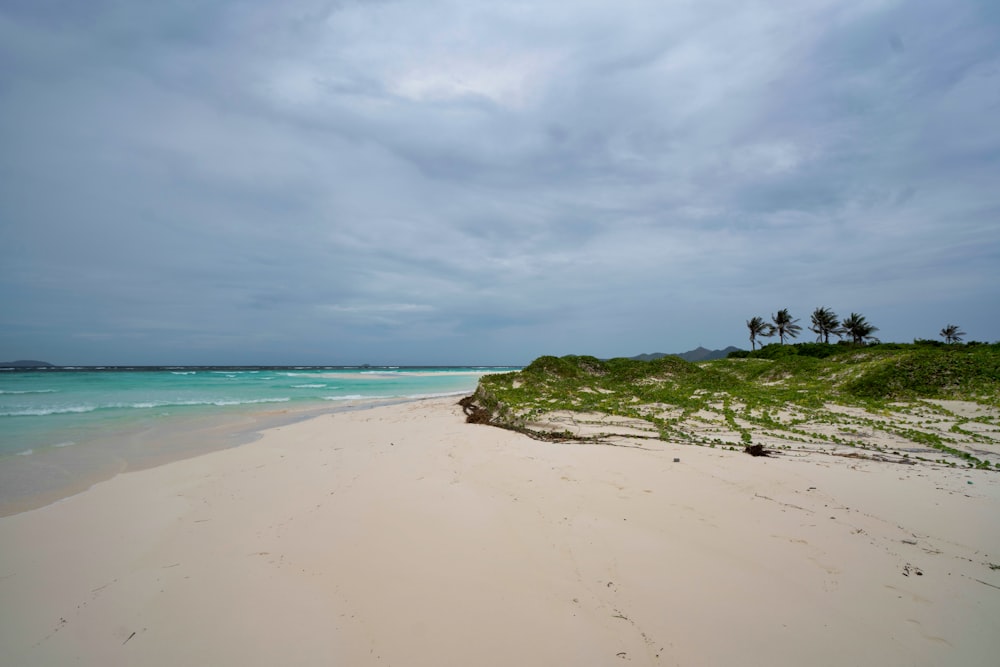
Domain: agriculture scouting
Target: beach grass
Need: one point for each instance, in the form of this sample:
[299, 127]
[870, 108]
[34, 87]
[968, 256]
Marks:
[894, 402]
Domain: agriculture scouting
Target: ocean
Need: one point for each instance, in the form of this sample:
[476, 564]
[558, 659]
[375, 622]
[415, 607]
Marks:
[62, 429]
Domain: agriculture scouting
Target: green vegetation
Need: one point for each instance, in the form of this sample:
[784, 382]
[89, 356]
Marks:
[939, 404]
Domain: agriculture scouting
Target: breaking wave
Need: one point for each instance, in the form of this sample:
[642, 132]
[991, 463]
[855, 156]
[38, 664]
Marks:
[143, 405]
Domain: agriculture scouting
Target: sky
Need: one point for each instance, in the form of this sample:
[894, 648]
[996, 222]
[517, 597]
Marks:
[481, 182]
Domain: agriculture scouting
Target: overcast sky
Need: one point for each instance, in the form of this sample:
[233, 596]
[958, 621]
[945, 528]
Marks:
[473, 182]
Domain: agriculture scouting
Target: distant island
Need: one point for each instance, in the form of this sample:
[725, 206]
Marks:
[25, 363]
[697, 354]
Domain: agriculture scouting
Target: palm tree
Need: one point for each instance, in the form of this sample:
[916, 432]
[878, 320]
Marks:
[952, 334]
[784, 325]
[859, 329]
[824, 323]
[758, 327]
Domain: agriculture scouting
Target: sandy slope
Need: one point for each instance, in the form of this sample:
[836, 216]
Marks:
[403, 536]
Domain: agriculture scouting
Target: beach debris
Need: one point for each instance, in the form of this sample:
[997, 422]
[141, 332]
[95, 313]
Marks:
[473, 413]
[755, 450]
[676, 460]
[129, 637]
[912, 568]
[909, 541]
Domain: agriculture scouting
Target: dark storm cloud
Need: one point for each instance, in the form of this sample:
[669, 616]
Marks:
[478, 182]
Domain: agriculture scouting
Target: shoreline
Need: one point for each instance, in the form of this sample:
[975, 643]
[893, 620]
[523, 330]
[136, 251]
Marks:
[403, 535]
[55, 473]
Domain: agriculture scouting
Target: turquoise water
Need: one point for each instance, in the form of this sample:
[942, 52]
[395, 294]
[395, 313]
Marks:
[58, 427]
[53, 408]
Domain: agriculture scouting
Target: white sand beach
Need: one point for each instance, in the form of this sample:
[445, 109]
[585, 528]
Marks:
[401, 536]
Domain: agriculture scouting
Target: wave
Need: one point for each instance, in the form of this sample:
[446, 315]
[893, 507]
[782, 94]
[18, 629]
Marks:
[28, 391]
[308, 386]
[27, 452]
[446, 394]
[44, 412]
[144, 405]
[251, 401]
[183, 372]
[219, 402]
[363, 397]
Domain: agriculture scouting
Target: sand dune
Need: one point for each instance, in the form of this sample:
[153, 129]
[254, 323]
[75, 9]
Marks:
[403, 536]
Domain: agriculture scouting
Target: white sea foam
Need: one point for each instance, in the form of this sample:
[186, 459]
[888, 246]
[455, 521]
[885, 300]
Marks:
[142, 405]
[28, 391]
[248, 402]
[357, 397]
[68, 443]
[183, 372]
[44, 412]
[440, 395]
[219, 402]
[27, 452]
[308, 386]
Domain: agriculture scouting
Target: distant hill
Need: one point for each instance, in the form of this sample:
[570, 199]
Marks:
[24, 363]
[697, 354]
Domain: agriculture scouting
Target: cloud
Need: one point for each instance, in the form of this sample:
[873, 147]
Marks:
[436, 181]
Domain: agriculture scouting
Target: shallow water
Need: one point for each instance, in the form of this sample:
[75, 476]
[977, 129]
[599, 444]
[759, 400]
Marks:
[63, 430]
